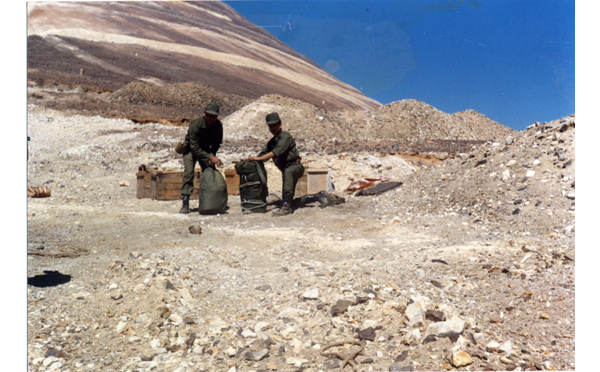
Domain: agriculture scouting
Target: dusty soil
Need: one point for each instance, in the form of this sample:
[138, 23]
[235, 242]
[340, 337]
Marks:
[482, 238]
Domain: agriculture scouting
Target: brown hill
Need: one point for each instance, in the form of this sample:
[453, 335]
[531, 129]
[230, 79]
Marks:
[100, 47]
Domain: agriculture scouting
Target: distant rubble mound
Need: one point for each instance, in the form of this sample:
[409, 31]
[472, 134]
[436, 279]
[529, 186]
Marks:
[407, 121]
[303, 120]
[190, 96]
[415, 120]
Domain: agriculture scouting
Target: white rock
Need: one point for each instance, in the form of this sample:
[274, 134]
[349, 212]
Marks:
[311, 294]
[506, 175]
[447, 328]
[155, 343]
[185, 293]
[48, 361]
[134, 339]
[230, 351]
[261, 326]
[530, 174]
[290, 313]
[492, 346]
[507, 348]
[121, 326]
[246, 333]
[286, 332]
[414, 313]
[113, 286]
[511, 163]
[412, 336]
[297, 362]
[369, 323]
[176, 318]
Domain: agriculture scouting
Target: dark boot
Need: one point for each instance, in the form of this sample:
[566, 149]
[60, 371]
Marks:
[324, 198]
[185, 209]
[286, 206]
[306, 199]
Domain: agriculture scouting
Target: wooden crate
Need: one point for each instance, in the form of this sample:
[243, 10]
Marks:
[164, 185]
[312, 181]
[233, 182]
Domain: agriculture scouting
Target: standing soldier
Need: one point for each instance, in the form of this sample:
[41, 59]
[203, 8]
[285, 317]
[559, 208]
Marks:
[204, 137]
[282, 148]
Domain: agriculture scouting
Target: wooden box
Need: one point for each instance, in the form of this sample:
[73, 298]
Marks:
[233, 182]
[164, 185]
[313, 181]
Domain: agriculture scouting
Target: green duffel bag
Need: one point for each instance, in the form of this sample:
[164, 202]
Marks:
[212, 192]
[253, 186]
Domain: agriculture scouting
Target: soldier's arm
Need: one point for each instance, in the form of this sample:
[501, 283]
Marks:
[195, 143]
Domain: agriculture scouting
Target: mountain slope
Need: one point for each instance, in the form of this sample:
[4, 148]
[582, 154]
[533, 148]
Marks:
[102, 46]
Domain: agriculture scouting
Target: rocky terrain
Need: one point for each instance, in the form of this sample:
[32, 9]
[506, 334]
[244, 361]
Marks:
[468, 265]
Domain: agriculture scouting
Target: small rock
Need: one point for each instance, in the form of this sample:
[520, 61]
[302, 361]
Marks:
[331, 364]
[397, 367]
[116, 295]
[169, 285]
[121, 326]
[230, 352]
[435, 315]
[256, 355]
[451, 328]
[195, 229]
[367, 334]
[428, 339]
[437, 284]
[460, 358]
[414, 313]
[134, 255]
[264, 287]
[401, 357]
[492, 346]
[261, 326]
[367, 360]
[290, 313]
[544, 316]
[297, 362]
[311, 294]
[248, 334]
[506, 348]
[340, 307]
[496, 319]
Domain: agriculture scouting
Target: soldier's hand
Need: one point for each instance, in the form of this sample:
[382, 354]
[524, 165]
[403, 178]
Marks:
[215, 160]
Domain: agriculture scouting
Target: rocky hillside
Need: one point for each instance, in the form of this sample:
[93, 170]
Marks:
[100, 47]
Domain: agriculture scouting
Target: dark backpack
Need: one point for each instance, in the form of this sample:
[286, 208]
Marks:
[212, 192]
[253, 186]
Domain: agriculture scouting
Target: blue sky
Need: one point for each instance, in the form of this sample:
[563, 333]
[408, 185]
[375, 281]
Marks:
[511, 60]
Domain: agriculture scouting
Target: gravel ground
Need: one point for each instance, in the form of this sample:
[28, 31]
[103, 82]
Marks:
[440, 273]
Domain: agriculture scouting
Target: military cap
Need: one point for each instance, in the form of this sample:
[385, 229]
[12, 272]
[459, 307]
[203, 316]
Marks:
[212, 108]
[273, 118]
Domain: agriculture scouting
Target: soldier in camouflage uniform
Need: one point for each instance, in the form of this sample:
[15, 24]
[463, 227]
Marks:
[282, 149]
[204, 138]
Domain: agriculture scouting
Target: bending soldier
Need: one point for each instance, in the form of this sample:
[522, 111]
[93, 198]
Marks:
[204, 137]
[282, 149]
